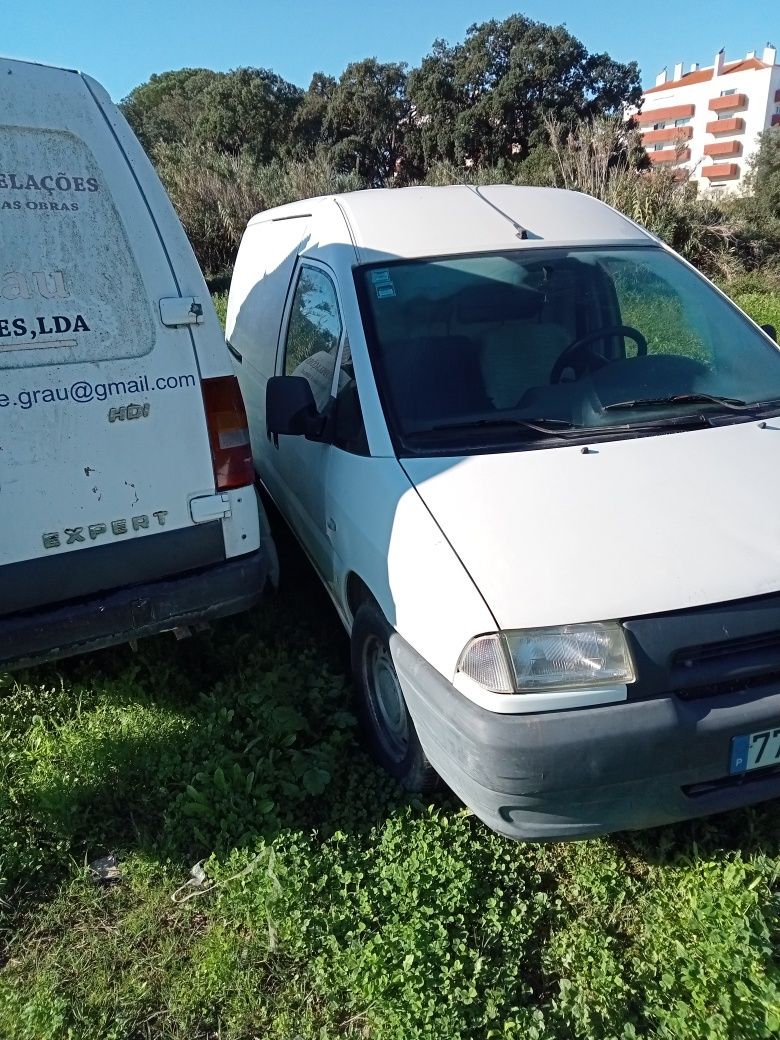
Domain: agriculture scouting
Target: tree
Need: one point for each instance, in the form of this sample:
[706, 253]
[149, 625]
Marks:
[763, 180]
[168, 106]
[485, 99]
[249, 110]
[308, 129]
[365, 119]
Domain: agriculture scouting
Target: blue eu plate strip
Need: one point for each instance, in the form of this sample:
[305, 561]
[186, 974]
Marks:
[739, 753]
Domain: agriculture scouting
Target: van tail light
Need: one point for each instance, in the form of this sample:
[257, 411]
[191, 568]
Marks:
[231, 453]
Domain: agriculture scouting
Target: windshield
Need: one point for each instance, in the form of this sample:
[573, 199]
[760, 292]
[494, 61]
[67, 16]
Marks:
[537, 347]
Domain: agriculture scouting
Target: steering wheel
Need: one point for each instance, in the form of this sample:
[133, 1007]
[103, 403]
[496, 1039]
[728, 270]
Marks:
[578, 350]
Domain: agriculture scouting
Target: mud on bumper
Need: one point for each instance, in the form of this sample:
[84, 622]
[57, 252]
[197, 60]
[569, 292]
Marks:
[107, 618]
[572, 774]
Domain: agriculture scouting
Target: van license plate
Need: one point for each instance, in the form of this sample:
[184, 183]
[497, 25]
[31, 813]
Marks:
[755, 750]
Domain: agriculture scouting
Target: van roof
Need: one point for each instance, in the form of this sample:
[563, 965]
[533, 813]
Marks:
[55, 77]
[20, 63]
[416, 222]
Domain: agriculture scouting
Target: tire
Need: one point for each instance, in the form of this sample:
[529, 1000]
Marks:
[388, 729]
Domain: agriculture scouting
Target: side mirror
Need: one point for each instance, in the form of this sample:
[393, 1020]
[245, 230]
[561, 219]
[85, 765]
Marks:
[290, 407]
[771, 331]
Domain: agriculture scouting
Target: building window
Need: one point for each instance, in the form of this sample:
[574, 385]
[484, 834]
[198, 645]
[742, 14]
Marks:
[728, 93]
[682, 122]
[777, 110]
[659, 126]
[725, 115]
[658, 147]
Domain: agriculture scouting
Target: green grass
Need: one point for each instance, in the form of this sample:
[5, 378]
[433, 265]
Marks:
[762, 307]
[220, 304]
[340, 906]
[334, 905]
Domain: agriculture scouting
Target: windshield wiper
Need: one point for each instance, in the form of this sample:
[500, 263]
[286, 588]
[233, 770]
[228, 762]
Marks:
[562, 429]
[733, 403]
[551, 427]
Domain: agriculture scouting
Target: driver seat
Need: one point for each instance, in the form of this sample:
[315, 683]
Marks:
[519, 355]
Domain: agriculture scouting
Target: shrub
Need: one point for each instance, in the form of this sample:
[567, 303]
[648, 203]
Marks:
[215, 194]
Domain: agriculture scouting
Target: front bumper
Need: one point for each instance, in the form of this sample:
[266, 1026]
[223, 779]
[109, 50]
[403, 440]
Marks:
[573, 774]
[117, 616]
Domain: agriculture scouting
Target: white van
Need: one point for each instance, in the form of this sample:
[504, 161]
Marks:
[532, 455]
[127, 504]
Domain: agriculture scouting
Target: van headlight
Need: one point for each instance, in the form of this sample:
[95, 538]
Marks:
[535, 660]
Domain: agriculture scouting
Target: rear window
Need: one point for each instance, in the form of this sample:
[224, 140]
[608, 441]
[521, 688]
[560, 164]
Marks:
[70, 290]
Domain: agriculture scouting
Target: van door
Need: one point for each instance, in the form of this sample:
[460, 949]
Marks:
[312, 336]
[103, 436]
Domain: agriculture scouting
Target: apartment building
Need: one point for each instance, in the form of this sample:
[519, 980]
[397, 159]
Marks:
[707, 120]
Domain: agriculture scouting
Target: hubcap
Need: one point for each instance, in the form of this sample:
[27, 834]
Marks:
[387, 701]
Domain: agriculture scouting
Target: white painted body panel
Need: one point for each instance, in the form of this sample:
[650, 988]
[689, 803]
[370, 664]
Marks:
[383, 223]
[241, 527]
[110, 256]
[387, 537]
[633, 527]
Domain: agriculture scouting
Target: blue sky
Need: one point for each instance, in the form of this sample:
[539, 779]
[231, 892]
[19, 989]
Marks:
[123, 44]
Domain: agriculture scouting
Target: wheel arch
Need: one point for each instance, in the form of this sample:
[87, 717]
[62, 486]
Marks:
[357, 592]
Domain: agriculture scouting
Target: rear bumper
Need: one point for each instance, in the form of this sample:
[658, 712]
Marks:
[572, 774]
[117, 616]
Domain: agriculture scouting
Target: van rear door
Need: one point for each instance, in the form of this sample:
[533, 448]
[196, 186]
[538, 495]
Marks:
[103, 434]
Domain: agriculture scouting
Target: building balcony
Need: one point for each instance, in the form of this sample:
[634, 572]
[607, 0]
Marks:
[775, 120]
[720, 149]
[664, 115]
[721, 171]
[728, 101]
[726, 126]
[669, 155]
[669, 133]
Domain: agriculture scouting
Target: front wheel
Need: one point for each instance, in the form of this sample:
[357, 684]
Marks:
[387, 725]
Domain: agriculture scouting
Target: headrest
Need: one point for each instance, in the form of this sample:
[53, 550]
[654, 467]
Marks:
[497, 302]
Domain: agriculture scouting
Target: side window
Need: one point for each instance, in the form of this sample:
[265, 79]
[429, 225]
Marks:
[349, 431]
[313, 333]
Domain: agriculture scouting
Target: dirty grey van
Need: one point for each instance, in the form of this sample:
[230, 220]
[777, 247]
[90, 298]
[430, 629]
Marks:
[127, 504]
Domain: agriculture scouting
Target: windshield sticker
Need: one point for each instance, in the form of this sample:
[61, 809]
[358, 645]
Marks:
[383, 284]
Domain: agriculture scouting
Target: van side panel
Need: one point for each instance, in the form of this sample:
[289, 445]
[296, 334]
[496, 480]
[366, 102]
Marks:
[258, 290]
